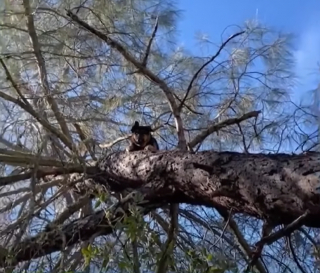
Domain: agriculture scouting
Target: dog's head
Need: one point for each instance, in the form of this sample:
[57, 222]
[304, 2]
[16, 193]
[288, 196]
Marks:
[141, 135]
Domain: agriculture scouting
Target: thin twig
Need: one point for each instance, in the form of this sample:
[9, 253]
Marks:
[114, 142]
[268, 240]
[295, 258]
[218, 126]
[28, 108]
[145, 59]
[205, 64]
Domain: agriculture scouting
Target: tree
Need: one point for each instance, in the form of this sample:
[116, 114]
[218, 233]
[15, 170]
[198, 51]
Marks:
[88, 67]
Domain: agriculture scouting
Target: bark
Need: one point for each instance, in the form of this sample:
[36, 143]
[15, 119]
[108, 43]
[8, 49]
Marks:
[278, 188]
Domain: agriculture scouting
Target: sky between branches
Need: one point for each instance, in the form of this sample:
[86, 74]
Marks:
[302, 18]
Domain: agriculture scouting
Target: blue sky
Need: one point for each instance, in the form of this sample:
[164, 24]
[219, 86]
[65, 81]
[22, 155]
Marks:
[302, 18]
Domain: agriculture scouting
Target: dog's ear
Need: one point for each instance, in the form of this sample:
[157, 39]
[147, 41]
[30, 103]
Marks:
[149, 129]
[135, 126]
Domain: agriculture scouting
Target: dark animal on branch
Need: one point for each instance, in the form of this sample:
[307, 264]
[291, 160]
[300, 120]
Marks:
[141, 139]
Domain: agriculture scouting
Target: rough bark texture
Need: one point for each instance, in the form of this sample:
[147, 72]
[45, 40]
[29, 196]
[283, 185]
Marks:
[278, 188]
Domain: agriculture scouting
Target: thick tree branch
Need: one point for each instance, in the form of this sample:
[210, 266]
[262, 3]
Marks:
[278, 188]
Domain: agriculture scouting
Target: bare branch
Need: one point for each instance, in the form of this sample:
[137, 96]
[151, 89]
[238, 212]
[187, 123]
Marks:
[286, 231]
[296, 224]
[295, 258]
[109, 145]
[28, 108]
[12, 146]
[68, 212]
[42, 70]
[47, 242]
[44, 172]
[216, 127]
[195, 76]
[112, 143]
[240, 238]
[145, 59]
[84, 140]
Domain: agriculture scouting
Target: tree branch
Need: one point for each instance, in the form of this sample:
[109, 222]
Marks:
[240, 239]
[153, 35]
[40, 173]
[218, 126]
[83, 229]
[43, 122]
[142, 69]
[286, 231]
[43, 71]
[84, 140]
[275, 187]
[195, 76]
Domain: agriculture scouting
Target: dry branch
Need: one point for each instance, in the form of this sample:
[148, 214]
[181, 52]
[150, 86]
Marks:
[71, 168]
[153, 35]
[109, 145]
[218, 126]
[196, 75]
[286, 231]
[84, 138]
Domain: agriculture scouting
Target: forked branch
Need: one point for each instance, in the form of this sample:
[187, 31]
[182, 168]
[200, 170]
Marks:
[195, 76]
[143, 70]
[218, 126]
